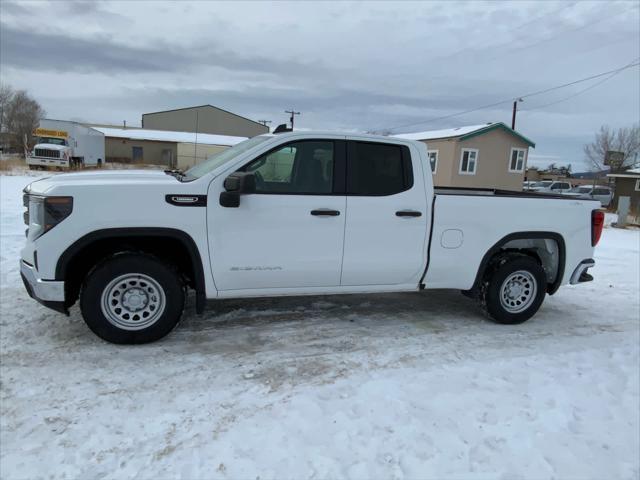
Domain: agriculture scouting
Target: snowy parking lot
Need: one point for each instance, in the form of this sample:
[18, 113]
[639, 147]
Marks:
[383, 386]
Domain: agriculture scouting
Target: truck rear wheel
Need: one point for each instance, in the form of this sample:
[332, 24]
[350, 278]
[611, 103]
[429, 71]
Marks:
[513, 289]
[132, 298]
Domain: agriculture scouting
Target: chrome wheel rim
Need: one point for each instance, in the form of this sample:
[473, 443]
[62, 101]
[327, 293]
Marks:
[518, 291]
[133, 301]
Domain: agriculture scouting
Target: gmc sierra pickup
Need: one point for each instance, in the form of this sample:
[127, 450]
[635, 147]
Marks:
[295, 213]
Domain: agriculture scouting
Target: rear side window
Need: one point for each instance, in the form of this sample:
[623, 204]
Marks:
[378, 169]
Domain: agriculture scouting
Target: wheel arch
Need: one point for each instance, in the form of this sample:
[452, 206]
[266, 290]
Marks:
[503, 245]
[113, 240]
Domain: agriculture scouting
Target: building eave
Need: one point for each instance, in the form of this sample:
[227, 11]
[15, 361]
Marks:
[495, 126]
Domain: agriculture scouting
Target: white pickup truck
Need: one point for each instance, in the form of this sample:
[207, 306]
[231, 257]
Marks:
[295, 213]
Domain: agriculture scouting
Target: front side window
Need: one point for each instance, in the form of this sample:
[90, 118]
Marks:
[304, 167]
[377, 169]
[223, 157]
[516, 162]
[468, 161]
[433, 160]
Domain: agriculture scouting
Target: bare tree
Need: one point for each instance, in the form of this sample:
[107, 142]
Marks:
[22, 116]
[6, 94]
[625, 140]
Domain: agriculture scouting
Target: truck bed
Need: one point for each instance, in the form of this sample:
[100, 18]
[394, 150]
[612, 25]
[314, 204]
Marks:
[464, 228]
[494, 192]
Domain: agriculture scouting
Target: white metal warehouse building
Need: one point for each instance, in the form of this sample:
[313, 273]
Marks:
[162, 147]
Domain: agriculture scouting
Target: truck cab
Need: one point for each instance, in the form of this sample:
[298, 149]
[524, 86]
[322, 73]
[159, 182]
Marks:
[50, 152]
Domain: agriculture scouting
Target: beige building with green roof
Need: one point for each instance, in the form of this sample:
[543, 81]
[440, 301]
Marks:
[478, 156]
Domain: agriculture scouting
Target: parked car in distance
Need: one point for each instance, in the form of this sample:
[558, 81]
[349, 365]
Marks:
[526, 186]
[589, 192]
[550, 186]
[298, 213]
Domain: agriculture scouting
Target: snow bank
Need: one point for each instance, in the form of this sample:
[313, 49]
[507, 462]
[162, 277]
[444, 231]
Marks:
[384, 386]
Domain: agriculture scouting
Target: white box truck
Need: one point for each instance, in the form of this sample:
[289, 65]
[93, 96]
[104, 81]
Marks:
[64, 144]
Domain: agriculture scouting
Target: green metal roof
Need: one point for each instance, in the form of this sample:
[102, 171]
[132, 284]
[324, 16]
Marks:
[495, 126]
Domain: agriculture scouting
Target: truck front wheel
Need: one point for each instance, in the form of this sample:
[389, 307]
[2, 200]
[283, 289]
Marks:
[132, 298]
[513, 289]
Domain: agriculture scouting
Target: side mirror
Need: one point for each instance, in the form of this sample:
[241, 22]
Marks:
[236, 184]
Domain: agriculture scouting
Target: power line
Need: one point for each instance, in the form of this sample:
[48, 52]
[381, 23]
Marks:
[449, 56]
[561, 33]
[501, 102]
[580, 92]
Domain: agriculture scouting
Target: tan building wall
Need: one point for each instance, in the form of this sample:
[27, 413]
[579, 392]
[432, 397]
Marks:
[626, 187]
[492, 169]
[203, 119]
[189, 155]
[153, 152]
[494, 155]
[446, 150]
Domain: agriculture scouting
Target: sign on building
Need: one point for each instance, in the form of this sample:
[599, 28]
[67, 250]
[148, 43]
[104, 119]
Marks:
[614, 159]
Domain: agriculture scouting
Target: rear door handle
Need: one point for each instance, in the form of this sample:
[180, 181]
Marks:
[325, 212]
[408, 213]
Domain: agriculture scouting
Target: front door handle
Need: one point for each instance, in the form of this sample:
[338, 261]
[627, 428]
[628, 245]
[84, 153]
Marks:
[408, 213]
[325, 212]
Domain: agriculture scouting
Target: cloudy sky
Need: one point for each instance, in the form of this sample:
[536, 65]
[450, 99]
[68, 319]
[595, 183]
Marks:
[355, 66]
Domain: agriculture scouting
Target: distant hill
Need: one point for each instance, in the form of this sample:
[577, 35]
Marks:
[589, 175]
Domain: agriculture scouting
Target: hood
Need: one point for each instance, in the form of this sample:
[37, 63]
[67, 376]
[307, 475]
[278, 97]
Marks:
[99, 178]
[51, 146]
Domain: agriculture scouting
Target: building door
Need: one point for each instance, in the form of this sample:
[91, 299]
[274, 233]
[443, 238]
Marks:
[136, 154]
[167, 157]
[289, 234]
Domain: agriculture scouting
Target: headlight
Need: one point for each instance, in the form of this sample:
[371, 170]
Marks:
[44, 213]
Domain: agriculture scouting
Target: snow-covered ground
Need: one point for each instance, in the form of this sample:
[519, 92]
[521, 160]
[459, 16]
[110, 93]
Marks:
[384, 386]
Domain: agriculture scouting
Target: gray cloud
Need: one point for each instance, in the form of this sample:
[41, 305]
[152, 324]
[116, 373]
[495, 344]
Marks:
[344, 65]
[13, 8]
[32, 49]
[60, 52]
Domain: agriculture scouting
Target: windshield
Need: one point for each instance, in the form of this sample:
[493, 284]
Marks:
[52, 141]
[220, 158]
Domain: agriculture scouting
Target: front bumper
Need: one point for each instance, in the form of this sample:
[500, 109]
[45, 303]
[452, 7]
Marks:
[47, 162]
[50, 293]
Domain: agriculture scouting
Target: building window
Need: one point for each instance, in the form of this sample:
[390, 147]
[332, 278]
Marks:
[516, 160]
[433, 160]
[637, 185]
[468, 161]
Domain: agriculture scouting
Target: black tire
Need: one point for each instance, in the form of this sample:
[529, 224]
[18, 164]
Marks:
[165, 280]
[502, 268]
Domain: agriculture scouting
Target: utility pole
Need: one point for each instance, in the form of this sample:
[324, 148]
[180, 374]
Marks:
[513, 116]
[195, 145]
[293, 114]
[264, 122]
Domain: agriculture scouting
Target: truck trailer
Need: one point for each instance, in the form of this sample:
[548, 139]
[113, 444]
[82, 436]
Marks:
[67, 145]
